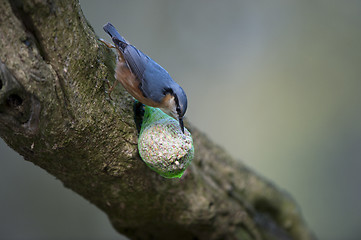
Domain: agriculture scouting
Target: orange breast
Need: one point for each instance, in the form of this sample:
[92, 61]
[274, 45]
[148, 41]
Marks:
[131, 83]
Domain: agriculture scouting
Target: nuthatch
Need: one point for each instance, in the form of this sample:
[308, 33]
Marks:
[145, 79]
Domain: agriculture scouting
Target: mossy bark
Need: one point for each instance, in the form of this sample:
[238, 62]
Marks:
[55, 113]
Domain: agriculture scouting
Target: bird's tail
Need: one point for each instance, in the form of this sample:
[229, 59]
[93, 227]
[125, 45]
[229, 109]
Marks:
[118, 40]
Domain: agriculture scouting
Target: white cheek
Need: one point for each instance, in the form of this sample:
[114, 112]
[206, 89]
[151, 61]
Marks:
[173, 113]
[170, 112]
[170, 108]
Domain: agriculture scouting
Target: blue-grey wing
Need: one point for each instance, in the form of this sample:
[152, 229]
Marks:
[136, 60]
[153, 78]
[156, 81]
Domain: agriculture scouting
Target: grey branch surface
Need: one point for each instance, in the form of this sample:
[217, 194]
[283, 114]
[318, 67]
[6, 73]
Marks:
[55, 113]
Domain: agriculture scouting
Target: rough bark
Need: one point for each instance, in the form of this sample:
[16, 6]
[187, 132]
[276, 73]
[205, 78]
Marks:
[55, 113]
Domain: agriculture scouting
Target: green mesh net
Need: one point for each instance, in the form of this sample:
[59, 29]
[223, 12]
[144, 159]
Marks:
[163, 146]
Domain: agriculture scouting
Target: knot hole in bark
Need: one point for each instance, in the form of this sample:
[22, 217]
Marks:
[19, 110]
[14, 101]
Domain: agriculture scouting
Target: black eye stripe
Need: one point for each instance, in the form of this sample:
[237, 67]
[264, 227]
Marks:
[168, 90]
[176, 100]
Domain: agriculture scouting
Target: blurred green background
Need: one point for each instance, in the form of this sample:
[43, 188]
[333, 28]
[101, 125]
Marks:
[276, 83]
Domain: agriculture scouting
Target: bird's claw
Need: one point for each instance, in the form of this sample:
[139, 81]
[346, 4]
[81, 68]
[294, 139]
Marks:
[109, 89]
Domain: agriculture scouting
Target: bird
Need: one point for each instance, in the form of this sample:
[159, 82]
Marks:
[145, 79]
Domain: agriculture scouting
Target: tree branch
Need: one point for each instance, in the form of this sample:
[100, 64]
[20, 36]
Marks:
[54, 112]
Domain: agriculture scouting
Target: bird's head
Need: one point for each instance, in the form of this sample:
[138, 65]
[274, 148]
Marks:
[175, 103]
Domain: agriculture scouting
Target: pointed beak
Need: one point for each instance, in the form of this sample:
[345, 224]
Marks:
[181, 124]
